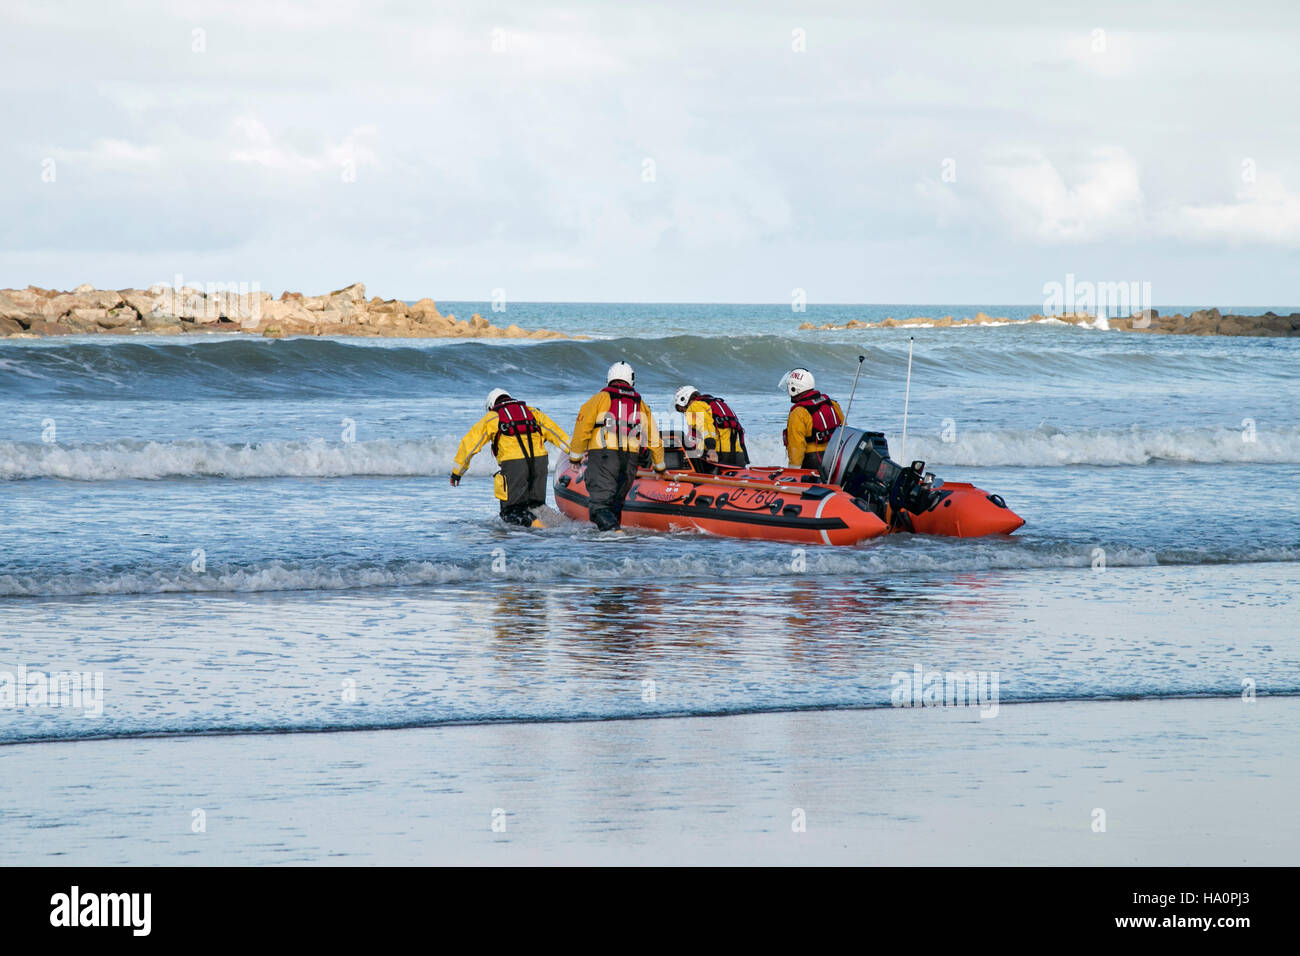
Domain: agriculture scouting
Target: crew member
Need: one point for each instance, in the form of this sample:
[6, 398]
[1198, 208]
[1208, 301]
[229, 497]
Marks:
[612, 428]
[699, 435]
[519, 434]
[813, 416]
[712, 418]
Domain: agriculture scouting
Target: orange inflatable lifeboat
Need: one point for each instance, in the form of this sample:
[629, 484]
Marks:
[797, 507]
[858, 494]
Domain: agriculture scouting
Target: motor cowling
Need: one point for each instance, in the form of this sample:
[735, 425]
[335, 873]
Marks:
[675, 450]
[858, 461]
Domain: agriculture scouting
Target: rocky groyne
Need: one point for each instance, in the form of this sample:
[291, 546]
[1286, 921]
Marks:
[168, 310]
[1201, 322]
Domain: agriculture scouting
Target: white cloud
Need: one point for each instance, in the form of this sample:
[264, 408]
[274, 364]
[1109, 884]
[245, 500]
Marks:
[557, 262]
[111, 153]
[1264, 212]
[260, 148]
[1103, 198]
[523, 168]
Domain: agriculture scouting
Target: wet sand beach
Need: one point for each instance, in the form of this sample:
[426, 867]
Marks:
[1180, 782]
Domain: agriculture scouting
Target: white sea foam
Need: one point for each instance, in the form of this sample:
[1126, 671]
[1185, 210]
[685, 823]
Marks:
[1048, 447]
[884, 557]
[113, 460]
[1037, 447]
[1052, 447]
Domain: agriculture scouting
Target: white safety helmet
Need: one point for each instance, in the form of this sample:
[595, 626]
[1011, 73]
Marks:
[621, 372]
[495, 396]
[682, 397]
[797, 381]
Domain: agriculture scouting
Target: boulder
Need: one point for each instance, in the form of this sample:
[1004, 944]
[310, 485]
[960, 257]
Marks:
[314, 302]
[10, 326]
[430, 324]
[84, 288]
[45, 327]
[1198, 323]
[142, 302]
[105, 299]
[84, 320]
[424, 307]
[346, 305]
[390, 323]
[478, 324]
[14, 309]
[155, 322]
[289, 316]
[266, 314]
[63, 303]
[356, 292]
[122, 317]
[1239, 325]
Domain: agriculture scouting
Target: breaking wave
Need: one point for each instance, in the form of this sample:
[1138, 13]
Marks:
[1042, 447]
[243, 367]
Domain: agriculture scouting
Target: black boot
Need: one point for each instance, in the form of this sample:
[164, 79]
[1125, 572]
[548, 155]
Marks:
[519, 516]
[605, 519]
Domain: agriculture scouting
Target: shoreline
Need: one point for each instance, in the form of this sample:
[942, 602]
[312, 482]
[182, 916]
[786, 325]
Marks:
[223, 308]
[916, 787]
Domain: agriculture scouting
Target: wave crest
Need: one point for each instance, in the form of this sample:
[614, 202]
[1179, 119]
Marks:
[1042, 447]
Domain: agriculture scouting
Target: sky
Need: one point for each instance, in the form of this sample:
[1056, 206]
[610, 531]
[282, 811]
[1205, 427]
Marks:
[859, 152]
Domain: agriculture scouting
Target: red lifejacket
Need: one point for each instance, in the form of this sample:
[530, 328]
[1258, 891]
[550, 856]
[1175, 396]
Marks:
[516, 420]
[723, 416]
[824, 417]
[624, 406]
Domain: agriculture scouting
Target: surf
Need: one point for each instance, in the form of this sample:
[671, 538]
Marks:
[1042, 446]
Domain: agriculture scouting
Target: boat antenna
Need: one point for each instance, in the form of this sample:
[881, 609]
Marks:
[907, 395]
[845, 424]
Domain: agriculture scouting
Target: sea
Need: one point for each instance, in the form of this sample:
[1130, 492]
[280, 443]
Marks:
[238, 590]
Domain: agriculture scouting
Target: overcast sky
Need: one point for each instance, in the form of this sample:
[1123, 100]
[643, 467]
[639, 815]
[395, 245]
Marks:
[655, 151]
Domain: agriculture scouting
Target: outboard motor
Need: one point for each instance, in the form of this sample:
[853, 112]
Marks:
[858, 461]
[674, 450]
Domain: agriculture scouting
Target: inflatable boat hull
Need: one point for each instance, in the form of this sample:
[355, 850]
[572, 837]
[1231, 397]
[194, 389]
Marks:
[742, 503]
[783, 504]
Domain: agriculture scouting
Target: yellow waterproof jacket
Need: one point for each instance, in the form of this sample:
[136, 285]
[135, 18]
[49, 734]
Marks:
[798, 434]
[595, 428]
[728, 440]
[508, 447]
[701, 433]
